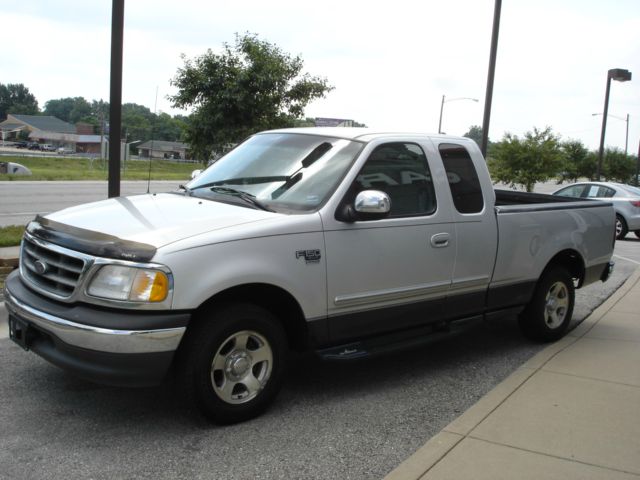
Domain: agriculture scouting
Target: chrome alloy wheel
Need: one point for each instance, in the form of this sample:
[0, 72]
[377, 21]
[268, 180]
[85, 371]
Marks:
[241, 367]
[556, 305]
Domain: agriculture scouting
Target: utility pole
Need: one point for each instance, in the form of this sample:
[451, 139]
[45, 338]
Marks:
[490, 77]
[115, 106]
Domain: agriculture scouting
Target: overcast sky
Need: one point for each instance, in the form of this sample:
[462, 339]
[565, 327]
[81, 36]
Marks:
[390, 62]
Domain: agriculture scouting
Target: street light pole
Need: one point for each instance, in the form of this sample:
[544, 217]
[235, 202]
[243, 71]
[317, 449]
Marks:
[620, 75]
[440, 122]
[450, 100]
[488, 98]
[115, 98]
[638, 165]
[626, 140]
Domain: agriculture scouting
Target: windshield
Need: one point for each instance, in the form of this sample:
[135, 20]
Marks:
[287, 171]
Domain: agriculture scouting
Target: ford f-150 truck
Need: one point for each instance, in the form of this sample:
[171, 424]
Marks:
[343, 241]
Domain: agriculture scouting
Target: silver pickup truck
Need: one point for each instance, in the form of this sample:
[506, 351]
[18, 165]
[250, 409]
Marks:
[342, 241]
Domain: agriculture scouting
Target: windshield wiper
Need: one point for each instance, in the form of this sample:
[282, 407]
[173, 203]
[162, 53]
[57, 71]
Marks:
[242, 181]
[246, 196]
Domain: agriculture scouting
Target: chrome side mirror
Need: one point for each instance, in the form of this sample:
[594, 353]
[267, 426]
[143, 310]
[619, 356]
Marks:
[372, 202]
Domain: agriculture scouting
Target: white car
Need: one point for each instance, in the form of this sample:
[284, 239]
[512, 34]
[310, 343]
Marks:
[11, 168]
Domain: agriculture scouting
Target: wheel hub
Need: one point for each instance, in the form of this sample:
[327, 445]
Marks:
[237, 365]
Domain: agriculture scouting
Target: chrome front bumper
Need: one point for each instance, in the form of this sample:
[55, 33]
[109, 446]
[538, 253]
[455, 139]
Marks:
[96, 338]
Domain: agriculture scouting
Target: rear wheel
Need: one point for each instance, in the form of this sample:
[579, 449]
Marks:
[621, 227]
[637, 232]
[547, 316]
[231, 364]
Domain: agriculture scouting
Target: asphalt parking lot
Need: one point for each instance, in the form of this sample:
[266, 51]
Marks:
[351, 420]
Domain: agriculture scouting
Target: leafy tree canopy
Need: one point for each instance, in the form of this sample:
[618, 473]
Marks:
[251, 86]
[535, 158]
[69, 109]
[618, 166]
[475, 134]
[577, 163]
[16, 98]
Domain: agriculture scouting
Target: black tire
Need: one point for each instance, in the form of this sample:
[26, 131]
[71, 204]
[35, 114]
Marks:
[621, 227]
[637, 232]
[548, 314]
[231, 363]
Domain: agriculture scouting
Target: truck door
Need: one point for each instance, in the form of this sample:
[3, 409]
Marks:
[476, 233]
[393, 273]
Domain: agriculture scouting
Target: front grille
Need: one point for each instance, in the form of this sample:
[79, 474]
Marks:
[50, 270]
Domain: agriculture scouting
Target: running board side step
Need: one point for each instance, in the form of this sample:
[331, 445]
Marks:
[406, 339]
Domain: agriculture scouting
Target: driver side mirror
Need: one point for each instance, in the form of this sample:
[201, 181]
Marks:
[368, 205]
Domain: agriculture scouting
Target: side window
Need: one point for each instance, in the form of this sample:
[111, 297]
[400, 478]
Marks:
[572, 191]
[463, 178]
[401, 171]
[600, 191]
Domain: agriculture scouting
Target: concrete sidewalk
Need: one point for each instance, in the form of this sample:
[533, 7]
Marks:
[571, 412]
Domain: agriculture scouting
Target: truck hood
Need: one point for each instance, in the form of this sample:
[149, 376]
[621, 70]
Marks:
[154, 220]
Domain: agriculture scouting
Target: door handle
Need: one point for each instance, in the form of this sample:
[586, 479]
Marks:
[440, 240]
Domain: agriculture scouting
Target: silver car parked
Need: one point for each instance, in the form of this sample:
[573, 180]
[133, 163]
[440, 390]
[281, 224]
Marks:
[625, 199]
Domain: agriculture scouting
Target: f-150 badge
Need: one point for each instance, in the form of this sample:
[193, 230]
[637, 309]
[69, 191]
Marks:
[310, 256]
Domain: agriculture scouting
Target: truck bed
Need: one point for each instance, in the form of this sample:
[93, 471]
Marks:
[512, 197]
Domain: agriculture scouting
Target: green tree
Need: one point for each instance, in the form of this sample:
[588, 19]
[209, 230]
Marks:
[535, 158]
[475, 134]
[69, 109]
[251, 86]
[577, 163]
[618, 166]
[304, 122]
[168, 127]
[16, 98]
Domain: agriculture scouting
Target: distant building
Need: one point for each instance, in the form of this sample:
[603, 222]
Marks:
[162, 149]
[333, 122]
[53, 131]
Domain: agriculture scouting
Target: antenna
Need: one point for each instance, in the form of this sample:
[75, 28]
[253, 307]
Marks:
[153, 124]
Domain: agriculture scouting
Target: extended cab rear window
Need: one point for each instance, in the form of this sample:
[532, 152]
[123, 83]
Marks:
[463, 178]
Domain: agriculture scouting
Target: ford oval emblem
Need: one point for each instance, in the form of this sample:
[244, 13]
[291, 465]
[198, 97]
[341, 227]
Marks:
[41, 267]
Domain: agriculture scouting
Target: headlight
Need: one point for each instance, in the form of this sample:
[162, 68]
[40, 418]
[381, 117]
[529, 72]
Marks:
[118, 282]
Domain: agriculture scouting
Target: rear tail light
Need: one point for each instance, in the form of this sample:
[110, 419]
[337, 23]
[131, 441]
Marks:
[635, 203]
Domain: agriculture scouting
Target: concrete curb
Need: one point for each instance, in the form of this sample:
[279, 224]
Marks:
[442, 443]
[9, 257]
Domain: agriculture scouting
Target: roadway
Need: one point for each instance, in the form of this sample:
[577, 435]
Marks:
[21, 201]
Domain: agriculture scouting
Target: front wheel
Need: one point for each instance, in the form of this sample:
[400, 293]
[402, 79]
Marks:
[547, 316]
[232, 363]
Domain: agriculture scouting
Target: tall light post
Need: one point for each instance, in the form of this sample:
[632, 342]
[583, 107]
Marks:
[491, 74]
[115, 97]
[444, 100]
[620, 75]
[626, 138]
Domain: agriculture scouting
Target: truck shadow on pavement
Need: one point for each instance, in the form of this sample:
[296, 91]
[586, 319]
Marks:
[466, 364]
